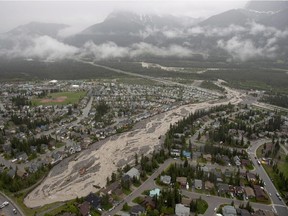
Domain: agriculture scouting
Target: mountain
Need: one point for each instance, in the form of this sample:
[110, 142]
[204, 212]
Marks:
[231, 17]
[278, 20]
[24, 36]
[235, 34]
[266, 6]
[123, 22]
[124, 28]
[38, 29]
[239, 17]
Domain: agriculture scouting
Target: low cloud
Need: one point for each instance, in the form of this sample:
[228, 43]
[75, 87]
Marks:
[50, 49]
[243, 50]
[104, 51]
[112, 50]
[43, 47]
[141, 49]
[242, 44]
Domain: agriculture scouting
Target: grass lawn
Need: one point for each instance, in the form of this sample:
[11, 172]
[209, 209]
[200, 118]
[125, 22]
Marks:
[283, 164]
[283, 167]
[125, 191]
[59, 98]
[202, 206]
[138, 200]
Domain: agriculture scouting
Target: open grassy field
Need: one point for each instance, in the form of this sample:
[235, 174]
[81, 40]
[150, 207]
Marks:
[59, 98]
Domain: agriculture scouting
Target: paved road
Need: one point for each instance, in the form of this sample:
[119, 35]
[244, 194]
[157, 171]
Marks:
[147, 185]
[216, 201]
[8, 210]
[213, 201]
[278, 204]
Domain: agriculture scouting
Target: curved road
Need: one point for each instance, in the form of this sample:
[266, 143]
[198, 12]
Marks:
[278, 204]
[8, 210]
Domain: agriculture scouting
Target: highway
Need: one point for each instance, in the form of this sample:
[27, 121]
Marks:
[161, 80]
[278, 204]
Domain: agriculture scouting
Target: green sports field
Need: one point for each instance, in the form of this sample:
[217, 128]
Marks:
[59, 98]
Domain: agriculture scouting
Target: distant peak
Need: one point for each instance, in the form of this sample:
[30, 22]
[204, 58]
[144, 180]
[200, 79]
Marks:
[266, 6]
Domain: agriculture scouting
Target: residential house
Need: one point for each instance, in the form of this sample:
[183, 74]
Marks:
[237, 160]
[207, 157]
[22, 156]
[71, 150]
[229, 211]
[186, 154]
[209, 185]
[21, 173]
[223, 188]
[251, 177]
[239, 191]
[245, 162]
[165, 179]
[114, 188]
[154, 192]
[33, 148]
[56, 156]
[77, 147]
[185, 201]
[259, 193]
[179, 135]
[133, 173]
[148, 202]
[181, 210]
[44, 147]
[84, 209]
[218, 174]
[205, 169]
[175, 152]
[11, 173]
[137, 210]
[249, 192]
[243, 212]
[198, 184]
[226, 160]
[261, 212]
[93, 200]
[182, 181]
[33, 168]
[87, 141]
[227, 173]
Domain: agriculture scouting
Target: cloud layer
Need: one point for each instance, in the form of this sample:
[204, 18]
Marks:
[242, 44]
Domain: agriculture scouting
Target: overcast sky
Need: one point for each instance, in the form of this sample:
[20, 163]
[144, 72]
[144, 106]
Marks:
[81, 14]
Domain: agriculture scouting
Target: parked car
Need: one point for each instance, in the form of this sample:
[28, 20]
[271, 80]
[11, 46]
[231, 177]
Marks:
[4, 204]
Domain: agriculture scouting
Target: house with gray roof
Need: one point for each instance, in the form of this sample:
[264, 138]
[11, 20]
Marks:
[229, 211]
[22, 156]
[137, 210]
[133, 173]
[165, 179]
[198, 184]
[181, 210]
